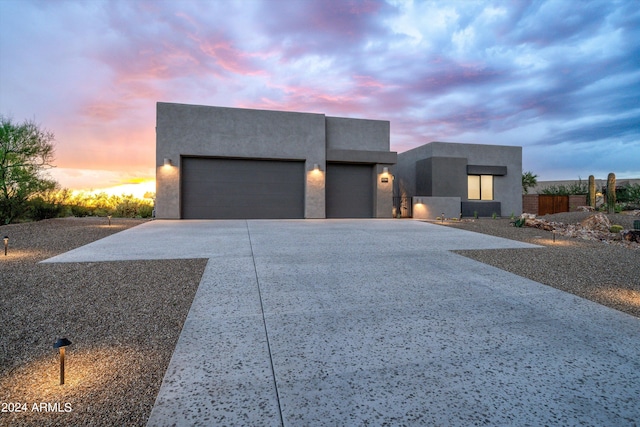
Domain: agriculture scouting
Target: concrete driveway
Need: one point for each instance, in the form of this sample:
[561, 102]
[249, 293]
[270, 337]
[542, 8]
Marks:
[376, 322]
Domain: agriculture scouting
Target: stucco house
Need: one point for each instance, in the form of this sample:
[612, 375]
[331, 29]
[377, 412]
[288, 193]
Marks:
[454, 179]
[233, 163]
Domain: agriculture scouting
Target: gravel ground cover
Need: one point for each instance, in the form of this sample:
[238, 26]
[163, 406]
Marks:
[123, 318]
[603, 272]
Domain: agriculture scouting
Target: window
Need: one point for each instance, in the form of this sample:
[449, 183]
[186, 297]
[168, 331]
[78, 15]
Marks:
[480, 187]
[474, 187]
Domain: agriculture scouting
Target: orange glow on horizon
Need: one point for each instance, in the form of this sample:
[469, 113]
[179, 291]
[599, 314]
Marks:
[140, 188]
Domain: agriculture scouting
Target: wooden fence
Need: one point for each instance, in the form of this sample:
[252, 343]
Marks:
[548, 204]
[543, 204]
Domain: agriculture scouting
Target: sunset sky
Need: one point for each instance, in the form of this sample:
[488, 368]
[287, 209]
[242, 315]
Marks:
[560, 78]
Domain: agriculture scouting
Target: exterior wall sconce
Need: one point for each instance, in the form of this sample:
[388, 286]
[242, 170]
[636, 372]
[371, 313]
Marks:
[418, 201]
[61, 344]
[385, 174]
[6, 244]
[316, 168]
[167, 162]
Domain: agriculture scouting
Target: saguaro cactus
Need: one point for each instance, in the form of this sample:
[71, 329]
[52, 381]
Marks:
[611, 192]
[592, 191]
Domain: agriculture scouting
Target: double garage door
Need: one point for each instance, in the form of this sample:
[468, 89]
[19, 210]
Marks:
[213, 188]
[241, 189]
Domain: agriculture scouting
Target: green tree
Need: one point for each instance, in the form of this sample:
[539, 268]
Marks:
[26, 151]
[528, 180]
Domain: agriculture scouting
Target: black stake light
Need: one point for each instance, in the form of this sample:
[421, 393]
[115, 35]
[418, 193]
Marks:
[61, 344]
[6, 244]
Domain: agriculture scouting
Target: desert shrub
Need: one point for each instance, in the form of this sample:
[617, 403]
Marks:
[39, 209]
[54, 202]
[633, 193]
[629, 196]
[81, 211]
[102, 212]
[130, 207]
[628, 206]
[577, 187]
[127, 208]
[615, 228]
[102, 204]
[145, 211]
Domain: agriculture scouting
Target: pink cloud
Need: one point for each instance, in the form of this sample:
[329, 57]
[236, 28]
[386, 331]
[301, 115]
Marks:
[228, 57]
[323, 26]
[93, 71]
[107, 112]
[105, 147]
[368, 82]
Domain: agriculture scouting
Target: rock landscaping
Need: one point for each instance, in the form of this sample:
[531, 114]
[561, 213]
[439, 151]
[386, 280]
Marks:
[594, 227]
[595, 264]
[123, 319]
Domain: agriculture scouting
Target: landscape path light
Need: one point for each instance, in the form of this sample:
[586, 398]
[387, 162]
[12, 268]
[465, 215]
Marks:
[6, 244]
[109, 217]
[61, 344]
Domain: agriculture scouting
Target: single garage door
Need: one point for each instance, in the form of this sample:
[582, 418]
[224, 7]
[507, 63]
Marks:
[349, 190]
[241, 189]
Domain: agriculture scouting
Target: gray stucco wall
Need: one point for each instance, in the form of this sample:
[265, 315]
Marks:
[195, 130]
[404, 171]
[423, 174]
[448, 176]
[433, 207]
[383, 192]
[357, 134]
[447, 167]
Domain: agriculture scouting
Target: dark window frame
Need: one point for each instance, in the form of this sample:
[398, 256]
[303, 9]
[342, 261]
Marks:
[480, 187]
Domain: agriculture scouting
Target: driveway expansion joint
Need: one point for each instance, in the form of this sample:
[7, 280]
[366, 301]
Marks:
[264, 322]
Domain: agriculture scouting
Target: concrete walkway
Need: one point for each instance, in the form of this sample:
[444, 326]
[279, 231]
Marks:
[375, 322]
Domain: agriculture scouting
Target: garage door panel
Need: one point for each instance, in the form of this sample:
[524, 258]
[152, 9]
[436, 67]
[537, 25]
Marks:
[349, 190]
[242, 189]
